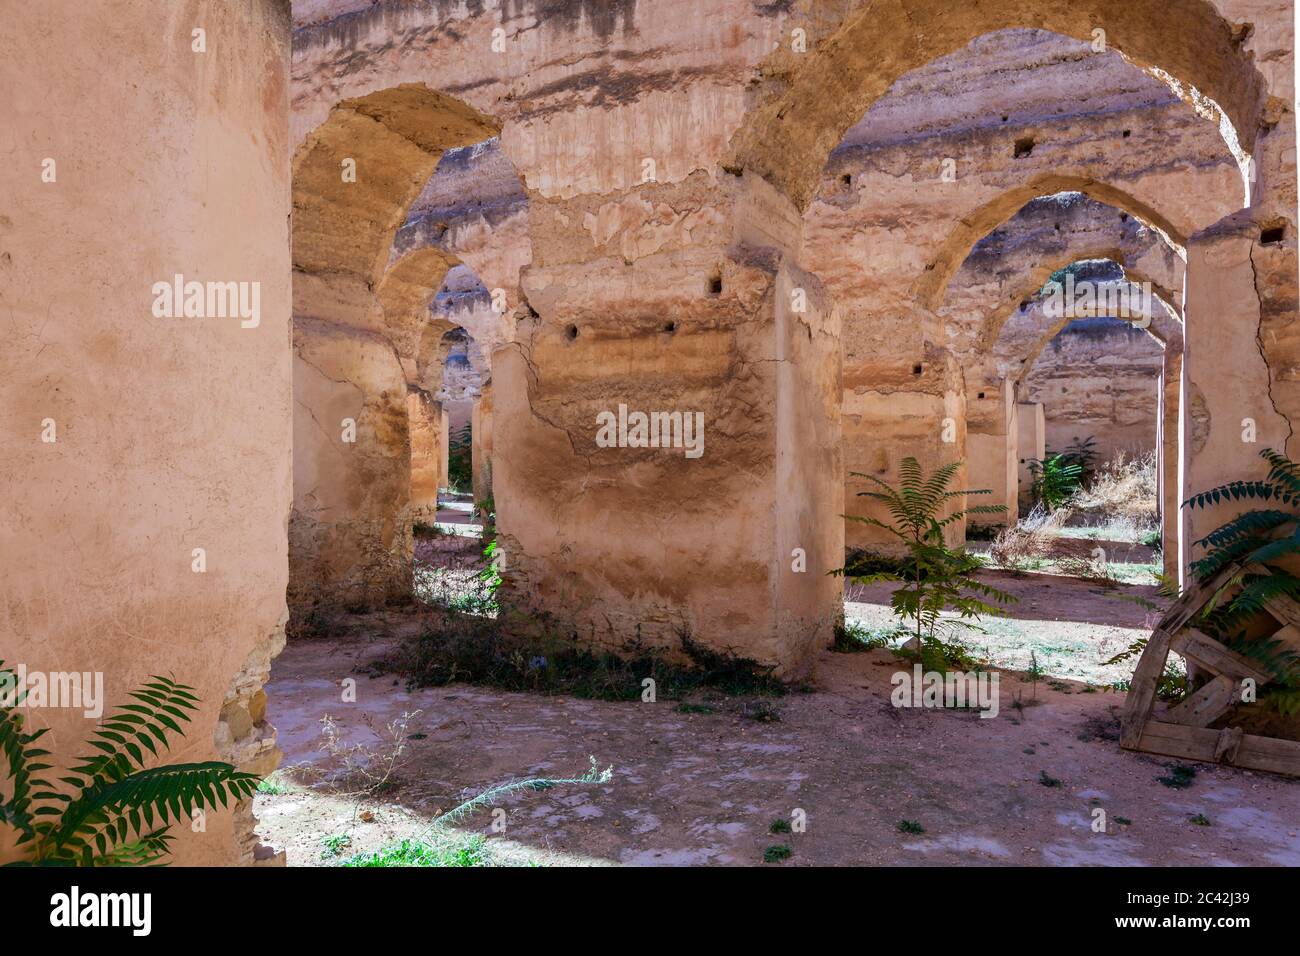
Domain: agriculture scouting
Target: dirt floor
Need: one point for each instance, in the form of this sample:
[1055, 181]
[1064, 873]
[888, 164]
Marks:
[705, 788]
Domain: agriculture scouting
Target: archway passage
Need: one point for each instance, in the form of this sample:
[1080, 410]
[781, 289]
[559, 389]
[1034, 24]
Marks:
[360, 324]
[1097, 351]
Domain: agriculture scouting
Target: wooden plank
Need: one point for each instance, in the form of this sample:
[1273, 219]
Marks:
[1214, 657]
[1199, 743]
[1195, 598]
[1142, 688]
[1284, 608]
[1203, 707]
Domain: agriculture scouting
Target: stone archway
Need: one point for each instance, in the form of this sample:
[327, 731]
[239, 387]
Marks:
[808, 100]
[357, 328]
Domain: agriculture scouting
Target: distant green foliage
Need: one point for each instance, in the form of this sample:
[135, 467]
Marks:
[935, 577]
[114, 810]
[775, 854]
[460, 459]
[1055, 479]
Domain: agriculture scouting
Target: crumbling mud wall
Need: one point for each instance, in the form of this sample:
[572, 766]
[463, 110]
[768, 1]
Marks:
[889, 217]
[633, 273]
[146, 466]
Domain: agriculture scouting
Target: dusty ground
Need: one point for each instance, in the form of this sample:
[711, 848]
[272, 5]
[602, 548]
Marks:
[694, 788]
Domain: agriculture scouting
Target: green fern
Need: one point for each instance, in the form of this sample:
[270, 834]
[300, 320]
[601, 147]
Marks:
[1255, 540]
[1055, 478]
[935, 577]
[114, 810]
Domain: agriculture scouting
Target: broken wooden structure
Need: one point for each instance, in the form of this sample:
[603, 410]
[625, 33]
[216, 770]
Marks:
[1183, 730]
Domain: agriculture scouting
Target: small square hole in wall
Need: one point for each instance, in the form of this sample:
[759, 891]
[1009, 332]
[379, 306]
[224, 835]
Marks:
[916, 370]
[981, 394]
[715, 284]
[1024, 147]
[1273, 234]
[847, 179]
[571, 332]
[1128, 133]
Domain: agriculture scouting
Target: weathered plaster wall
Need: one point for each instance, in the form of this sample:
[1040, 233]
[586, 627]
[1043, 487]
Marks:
[172, 433]
[1099, 378]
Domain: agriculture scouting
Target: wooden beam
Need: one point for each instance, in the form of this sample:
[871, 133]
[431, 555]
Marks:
[1203, 707]
[1214, 657]
[1198, 743]
[1142, 689]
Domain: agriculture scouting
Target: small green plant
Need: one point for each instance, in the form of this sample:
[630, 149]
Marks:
[115, 810]
[335, 844]
[1035, 671]
[434, 847]
[1124, 821]
[775, 854]
[853, 637]
[780, 825]
[1181, 776]
[1047, 780]
[1054, 480]
[270, 786]
[1201, 820]
[934, 577]
[910, 826]
[471, 852]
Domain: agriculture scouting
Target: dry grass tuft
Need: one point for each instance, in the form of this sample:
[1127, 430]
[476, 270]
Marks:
[1030, 540]
[1124, 492]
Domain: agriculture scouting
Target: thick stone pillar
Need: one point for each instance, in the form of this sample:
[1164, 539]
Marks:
[722, 536]
[444, 445]
[146, 470]
[481, 451]
[1168, 456]
[350, 532]
[425, 418]
[1227, 408]
[992, 459]
[1031, 445]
